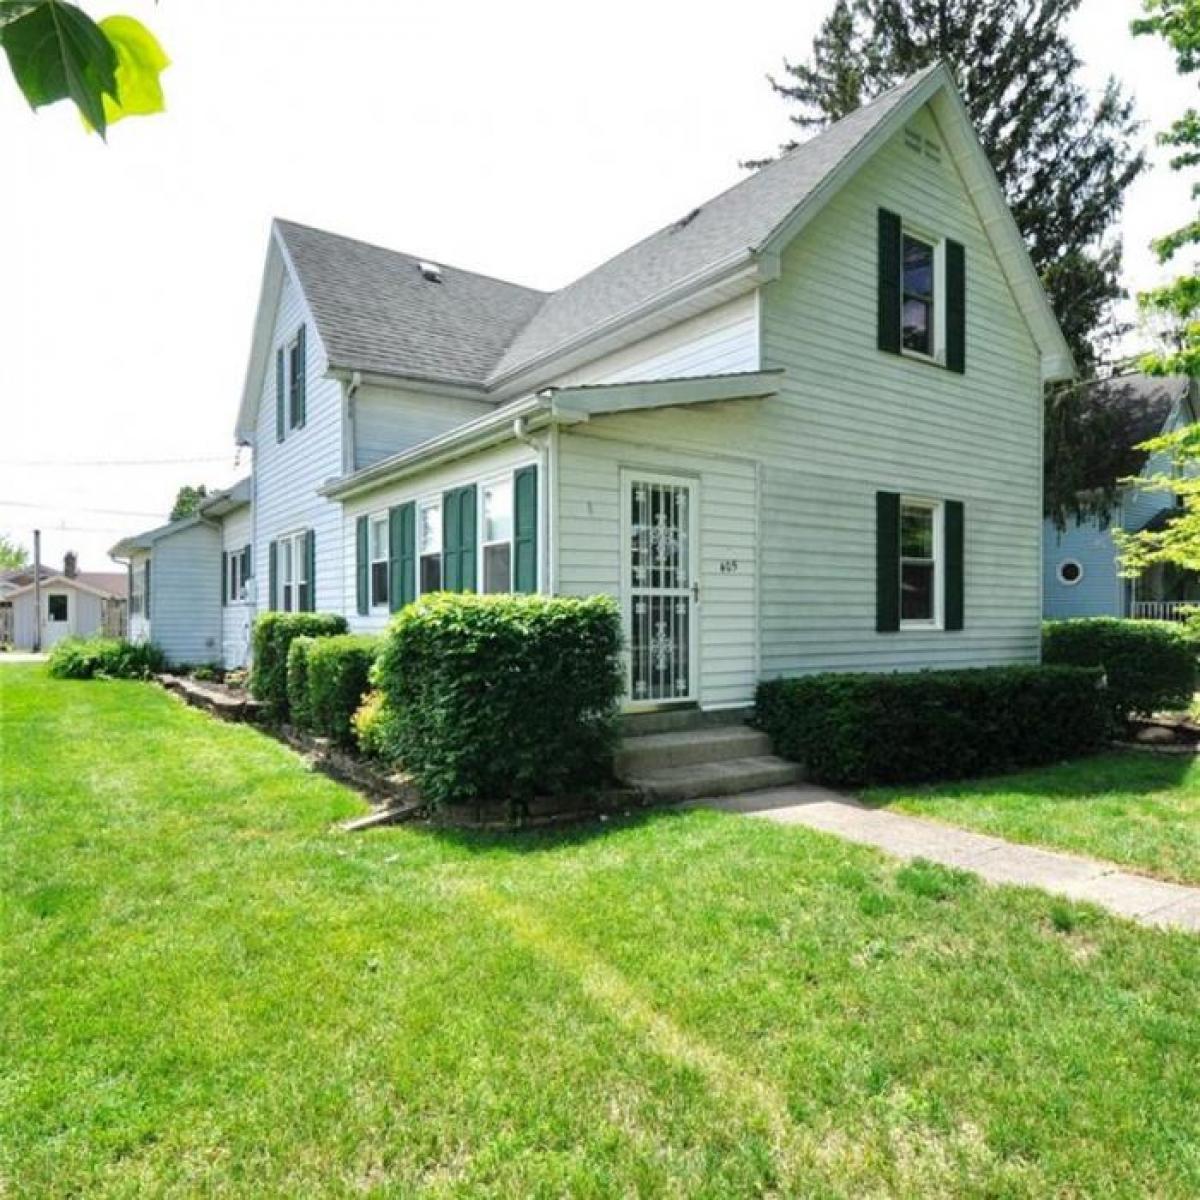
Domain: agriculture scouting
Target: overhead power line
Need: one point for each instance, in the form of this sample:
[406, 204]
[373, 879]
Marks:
[106, 512]
[111, 462]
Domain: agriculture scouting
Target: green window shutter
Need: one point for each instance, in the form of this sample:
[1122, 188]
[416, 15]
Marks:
[402, 555]
[458, 539]
[302, 377]
[146, 589]
[224, 579]
[273, 577]
[362, 581]
[279, 396]
[887, 562]
[247, 564]
[310, 557]
[890, 281]
[525, 530]
[956, 307]
[953, 599]
[129, 585]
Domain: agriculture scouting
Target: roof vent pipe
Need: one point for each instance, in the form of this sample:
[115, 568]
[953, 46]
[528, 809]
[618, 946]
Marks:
[430, 271]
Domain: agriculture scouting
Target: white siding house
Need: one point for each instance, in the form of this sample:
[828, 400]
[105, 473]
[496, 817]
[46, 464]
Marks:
[798, 429]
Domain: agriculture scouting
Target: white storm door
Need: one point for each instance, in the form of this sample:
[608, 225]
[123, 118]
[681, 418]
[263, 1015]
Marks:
[661, 563]
[57, 624]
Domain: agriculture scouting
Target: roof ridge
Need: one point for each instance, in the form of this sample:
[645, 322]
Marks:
[344, 237]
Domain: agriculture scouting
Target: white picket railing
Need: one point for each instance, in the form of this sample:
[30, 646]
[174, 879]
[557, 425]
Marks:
[1163, 610]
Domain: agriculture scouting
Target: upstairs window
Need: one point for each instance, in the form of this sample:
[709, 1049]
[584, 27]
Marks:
[429, 546]
[295, 361]
[919, 301]
[379, 561]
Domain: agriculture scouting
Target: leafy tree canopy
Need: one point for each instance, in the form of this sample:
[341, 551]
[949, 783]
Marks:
[108, 69]
[1063, 160]
[1173, 310]
[12, 554]
[187, 500]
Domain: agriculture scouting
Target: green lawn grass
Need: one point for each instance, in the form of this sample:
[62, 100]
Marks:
[207, 989]
[1142, 810]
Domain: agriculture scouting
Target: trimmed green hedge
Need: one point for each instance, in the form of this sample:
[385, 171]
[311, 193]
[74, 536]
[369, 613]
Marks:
[502, 698]
[297, 680]
[274, 633]
[927, 725]
[370, 722]
[104, 658]
[1149, 666]
[339, 676]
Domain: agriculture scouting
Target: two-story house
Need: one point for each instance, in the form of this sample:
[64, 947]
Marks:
[797, 429]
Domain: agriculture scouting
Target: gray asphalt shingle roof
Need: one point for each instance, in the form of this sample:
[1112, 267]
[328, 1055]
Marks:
[376, 312]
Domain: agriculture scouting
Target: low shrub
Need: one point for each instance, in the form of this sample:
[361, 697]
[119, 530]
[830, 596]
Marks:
[104, 658]
[298, 707]
[370, 723]
[273, 635]
[502, 698]
[339, 676]
[1149, 666]
[922, 726]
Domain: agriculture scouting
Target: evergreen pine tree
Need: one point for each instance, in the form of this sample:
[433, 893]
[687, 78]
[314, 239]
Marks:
[1063, 160]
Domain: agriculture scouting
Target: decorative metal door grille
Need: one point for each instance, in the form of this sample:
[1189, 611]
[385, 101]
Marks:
[661, 598]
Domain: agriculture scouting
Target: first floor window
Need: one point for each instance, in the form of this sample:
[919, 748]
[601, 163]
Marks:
[497, 536]
[429, 545]
[56, 606]
[918, 298]
[293, 573]
[379, 561]
[920, 539]
[136, 598]
[233, 574]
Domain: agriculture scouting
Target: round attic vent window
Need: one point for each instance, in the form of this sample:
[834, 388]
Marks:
[1070, 571]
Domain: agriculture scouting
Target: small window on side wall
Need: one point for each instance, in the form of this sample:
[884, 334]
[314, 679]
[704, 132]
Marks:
[919, 319]
[1070, 571]
[920, 538]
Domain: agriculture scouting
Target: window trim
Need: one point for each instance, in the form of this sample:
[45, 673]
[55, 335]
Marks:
[937, 355]
[291, 545]
[482, 485]
[938, 509]
[1066, 562]
[421, 503]
[375, 519]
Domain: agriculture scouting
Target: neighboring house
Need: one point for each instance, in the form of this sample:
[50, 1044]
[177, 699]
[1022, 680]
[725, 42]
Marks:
[798, 429]
[191, 582]
[1081, 573]
[72, 603]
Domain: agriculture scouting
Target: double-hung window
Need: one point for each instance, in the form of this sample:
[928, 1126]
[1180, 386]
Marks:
[293, 574]
[295, 374]
[379, 561]
[497, 503]
[233, 574]
[920, 562]
[137, 597]
[429, 546]
[919, 321]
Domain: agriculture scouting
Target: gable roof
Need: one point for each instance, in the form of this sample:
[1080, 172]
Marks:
[211, 509]
[105, 584]
[375, 311]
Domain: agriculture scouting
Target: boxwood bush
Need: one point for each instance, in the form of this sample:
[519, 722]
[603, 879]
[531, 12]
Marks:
[104, 658]
[273, 635]
[297, 680]
[371, 733]
[1149, 666]
[922, 726]
[502, 698]
[339, 676]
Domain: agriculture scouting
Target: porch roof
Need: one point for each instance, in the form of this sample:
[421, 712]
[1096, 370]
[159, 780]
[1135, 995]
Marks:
[556, 406]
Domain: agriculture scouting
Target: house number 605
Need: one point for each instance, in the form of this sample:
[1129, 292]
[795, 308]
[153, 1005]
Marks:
[729, 566]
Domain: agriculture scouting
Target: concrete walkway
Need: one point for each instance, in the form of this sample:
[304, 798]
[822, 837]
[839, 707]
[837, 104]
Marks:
[1148, 901]
[20, 656]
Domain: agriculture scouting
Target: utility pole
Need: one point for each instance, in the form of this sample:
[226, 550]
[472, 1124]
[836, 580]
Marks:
[37, 590]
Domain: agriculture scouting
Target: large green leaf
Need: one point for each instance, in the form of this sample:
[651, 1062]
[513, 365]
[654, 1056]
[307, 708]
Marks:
[57, 52]
[140, 62]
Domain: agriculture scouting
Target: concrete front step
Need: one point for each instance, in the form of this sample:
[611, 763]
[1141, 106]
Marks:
[726, 777]
[653, 752]
[681, 720]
